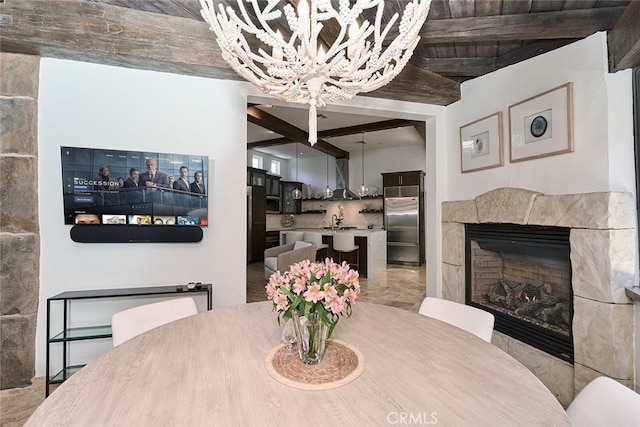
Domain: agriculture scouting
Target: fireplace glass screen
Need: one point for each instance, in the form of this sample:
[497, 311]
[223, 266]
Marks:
[522, 274]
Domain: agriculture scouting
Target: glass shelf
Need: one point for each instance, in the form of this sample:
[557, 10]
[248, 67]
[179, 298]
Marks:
[83, 333]
[61, 377]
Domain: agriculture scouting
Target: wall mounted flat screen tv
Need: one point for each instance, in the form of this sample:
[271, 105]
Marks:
[102, 186]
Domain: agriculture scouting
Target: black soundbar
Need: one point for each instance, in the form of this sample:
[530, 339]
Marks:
[92, 233]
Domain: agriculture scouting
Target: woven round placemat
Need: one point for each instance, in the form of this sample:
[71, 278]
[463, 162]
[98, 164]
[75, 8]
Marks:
[340, 364]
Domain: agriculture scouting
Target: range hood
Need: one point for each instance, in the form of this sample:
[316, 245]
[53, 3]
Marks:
[342, 191]
[343, 194]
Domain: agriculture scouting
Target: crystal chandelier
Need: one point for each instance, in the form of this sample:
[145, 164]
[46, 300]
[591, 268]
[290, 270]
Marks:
[307, 65]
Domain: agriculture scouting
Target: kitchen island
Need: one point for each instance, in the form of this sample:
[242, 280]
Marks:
[372, 256]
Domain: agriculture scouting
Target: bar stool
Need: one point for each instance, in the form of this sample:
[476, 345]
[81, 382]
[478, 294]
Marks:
[345, 243]
[316, 239]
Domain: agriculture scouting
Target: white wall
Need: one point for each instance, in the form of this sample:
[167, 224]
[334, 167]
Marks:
[603, 130]
[88, 105]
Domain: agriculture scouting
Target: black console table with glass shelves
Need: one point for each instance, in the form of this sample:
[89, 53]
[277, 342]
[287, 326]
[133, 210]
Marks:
[70, 334]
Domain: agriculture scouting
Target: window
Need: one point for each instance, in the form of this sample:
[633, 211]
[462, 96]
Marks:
[275, 167]
[256, 161]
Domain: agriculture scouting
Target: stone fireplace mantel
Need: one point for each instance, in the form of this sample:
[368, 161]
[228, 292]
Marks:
[604, 259]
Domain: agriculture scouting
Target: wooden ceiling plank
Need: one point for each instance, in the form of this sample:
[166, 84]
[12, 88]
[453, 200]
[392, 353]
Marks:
[569, 24]
[463, 9]
[111, 35]
[466, 67]
[417, 84]
[487, 8]
[529, 51]
[624, 40]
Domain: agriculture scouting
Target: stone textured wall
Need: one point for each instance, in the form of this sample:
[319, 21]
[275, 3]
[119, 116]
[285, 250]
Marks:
[604, 262]
[19, 235]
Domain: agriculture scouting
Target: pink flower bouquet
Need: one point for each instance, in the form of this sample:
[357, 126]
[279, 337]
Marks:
[327, 289]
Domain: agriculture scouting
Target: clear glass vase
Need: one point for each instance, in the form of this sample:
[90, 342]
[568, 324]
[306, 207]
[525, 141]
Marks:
[311, 334]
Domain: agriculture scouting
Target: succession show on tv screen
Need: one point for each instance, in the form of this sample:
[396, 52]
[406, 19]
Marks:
[133, 187]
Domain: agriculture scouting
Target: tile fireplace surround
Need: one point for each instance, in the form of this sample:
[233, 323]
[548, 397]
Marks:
[603, 241]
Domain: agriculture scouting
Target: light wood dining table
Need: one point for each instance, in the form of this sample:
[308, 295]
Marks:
[209, 370]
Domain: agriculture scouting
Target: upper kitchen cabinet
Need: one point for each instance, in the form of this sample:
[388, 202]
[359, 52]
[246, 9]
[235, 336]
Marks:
[400, 179]
[273, 185]
[256, 176]
[289, 204]
[273, 194]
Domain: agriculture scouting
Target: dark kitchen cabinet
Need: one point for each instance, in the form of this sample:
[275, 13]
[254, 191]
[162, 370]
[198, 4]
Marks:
[400, 179]
[289, 204]
[273, 239]
[273, 185]
[256, 176]
[256, 222]
[273, 193]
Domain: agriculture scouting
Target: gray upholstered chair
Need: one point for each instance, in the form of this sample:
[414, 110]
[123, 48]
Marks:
[283, 256]
[471, 319]
[129, 323]
[605, 402]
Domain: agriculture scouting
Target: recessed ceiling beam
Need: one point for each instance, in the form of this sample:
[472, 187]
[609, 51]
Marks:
[367, 127]
[289, 131]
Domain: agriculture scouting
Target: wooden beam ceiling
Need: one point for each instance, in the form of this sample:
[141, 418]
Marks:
[624, 40]
[175, 40]
[112, 35]
[563, 24]
[291, 133]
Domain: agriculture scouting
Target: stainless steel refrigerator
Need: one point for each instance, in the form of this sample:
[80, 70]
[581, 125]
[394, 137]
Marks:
[402, 222]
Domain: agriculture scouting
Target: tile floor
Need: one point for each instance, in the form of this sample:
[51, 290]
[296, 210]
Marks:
[399, 286]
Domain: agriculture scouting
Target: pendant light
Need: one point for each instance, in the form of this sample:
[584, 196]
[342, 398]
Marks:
[297, 193]
[328, 192]
[363, 190]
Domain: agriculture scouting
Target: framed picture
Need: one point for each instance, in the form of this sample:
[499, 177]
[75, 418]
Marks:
[542, 125]
[481, 144]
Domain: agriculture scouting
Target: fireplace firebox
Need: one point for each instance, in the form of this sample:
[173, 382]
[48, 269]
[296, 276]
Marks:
[522, 275]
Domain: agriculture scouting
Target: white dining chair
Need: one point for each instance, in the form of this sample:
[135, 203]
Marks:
[605, 402]
[129, 323]
[471, 319]
[346, 243]
[315, 238]
[293, 236]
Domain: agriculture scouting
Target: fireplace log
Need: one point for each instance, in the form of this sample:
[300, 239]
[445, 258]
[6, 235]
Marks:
[531, 308]
[553, 315]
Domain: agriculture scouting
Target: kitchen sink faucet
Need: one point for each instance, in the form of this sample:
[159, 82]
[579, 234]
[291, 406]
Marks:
[337, 221]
